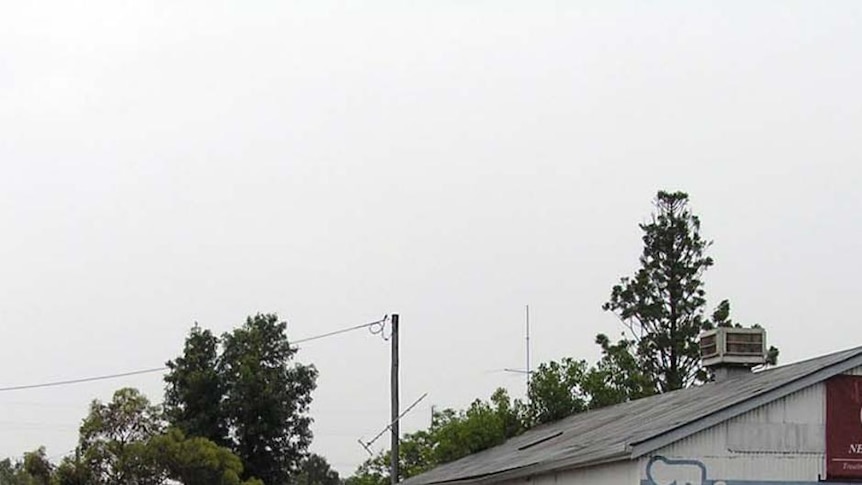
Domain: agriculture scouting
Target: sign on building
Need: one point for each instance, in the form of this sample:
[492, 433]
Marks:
[844, 427]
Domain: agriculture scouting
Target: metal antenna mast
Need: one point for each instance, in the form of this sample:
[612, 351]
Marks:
[528, 371]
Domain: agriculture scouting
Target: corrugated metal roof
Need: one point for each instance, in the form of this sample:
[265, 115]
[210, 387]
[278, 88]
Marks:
[609, 434]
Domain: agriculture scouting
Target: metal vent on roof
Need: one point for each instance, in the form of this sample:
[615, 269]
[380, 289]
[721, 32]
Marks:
[734, 347]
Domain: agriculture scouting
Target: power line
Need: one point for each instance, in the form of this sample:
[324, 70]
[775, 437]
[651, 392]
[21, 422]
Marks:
[376, 327]
[82, 380]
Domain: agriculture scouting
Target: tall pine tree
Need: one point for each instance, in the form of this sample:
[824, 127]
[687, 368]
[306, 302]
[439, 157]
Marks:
[663, 306]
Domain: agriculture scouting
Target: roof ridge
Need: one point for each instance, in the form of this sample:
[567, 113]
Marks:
[856, 349]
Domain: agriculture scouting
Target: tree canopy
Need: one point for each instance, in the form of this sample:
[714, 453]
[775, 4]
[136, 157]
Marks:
[560, 388]
[236, 408]
[315, 470]
[663, 305]
[195, 388]
[452, 435]
[127, 442]
[34, 469]
[243, 390]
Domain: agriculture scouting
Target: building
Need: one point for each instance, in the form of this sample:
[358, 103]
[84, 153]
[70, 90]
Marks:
[798, 424]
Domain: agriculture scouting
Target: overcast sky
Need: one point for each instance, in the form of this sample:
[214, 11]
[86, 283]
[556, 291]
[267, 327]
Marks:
[452, 161]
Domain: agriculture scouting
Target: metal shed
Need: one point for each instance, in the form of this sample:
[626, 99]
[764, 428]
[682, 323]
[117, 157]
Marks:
[776, 426]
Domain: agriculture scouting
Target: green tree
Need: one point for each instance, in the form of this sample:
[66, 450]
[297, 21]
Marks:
[196, 461]
[125, 441]
[556, 390]
[245, 392]
[113, 437]
[617, 376]
[416, 455]
[73, 471]
[266, 399]
[194, 391]
[34, 469]
[373, 471]
[452, 435]
[663, 306]
[455, 434]
[37, 466]
[559, 389]
[315, 470]
[7, 472]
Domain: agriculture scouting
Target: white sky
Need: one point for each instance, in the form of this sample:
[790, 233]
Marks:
[169, 162]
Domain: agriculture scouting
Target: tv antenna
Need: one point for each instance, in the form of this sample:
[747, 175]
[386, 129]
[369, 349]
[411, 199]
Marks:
[527, 370]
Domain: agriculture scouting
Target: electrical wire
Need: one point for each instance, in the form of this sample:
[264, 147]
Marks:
[82, 380]
[376, 327]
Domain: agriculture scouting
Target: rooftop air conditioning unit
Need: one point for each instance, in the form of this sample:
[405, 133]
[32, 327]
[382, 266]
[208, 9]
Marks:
[733, 347]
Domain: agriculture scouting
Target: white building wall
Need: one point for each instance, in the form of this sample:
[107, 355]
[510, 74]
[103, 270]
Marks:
[784, 441]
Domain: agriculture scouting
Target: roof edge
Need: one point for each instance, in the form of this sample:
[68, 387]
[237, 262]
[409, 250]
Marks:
[530, 470]
[477, 479]
[566, 465]
[661, 440]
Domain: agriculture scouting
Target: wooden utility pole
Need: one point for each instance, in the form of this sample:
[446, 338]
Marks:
[393, 469]
[529, 371]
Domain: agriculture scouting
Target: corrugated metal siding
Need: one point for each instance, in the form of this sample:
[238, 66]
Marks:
[774, 468]
[620, 473]
[645, 425]
[855, 372]
[783, 440]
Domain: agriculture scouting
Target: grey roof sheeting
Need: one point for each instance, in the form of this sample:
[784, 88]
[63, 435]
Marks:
[635, 428]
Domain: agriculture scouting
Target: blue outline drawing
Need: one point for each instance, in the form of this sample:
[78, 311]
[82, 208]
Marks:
[668, 461]
[650, 479]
